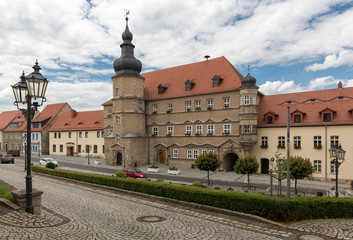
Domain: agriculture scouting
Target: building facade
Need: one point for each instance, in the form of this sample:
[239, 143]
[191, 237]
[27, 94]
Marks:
[78, 134]
[5, 119]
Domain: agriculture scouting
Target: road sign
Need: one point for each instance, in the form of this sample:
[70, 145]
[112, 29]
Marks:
[272, 159]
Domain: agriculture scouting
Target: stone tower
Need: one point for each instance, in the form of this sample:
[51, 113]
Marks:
[248, 113]
[127, 140]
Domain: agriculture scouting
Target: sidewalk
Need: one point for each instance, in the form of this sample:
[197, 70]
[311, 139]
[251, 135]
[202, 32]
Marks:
[219, 175]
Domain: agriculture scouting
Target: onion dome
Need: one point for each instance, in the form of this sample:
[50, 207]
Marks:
[127, 64]
[248, 81]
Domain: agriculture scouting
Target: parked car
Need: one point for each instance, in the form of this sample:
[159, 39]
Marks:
[7, 158]
[14, 152]
[134, 172]
[44, 161]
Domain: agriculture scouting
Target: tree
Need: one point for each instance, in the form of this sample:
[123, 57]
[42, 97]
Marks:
[207, 162]
[277, 170]
[246, 165]
[300, 168]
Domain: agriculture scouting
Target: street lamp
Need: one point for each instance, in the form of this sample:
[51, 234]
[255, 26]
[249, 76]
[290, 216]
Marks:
[30, 87]
[337, 157]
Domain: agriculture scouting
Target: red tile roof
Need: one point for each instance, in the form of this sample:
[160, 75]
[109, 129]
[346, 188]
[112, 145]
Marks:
[75, 121]
[7, 117]
[18, 119]
[312, 110]
[200, 74]
[49, 112]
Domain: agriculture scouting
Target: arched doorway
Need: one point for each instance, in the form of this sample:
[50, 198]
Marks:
[161, 157]
[229, 161]
[119, 159]
[265, 164]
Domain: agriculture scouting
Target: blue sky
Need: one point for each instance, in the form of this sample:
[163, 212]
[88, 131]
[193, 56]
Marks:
[291, 45]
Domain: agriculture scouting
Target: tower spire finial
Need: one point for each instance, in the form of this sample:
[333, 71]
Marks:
[249, 68]
[127, 12]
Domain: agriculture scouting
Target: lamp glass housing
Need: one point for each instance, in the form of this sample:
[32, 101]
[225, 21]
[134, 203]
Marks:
[36, 86]
[333, 152]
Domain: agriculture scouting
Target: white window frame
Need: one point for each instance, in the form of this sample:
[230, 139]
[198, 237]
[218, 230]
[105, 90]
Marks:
[264, 141]
[204, 151]
[198, 104]
[226, 128]
[155, 131]
[188, 105]
[209, 103]
[170, 107]
[117, 119]
[154, 108]
[246, 129]
[210, 129]
[188, 129]
[281, 141]
[226, 102]
[110, 132]
[317, 166]
[253, 99]
[170, 130]
[317, 141]
[198, 130]
[175, 153]
[297, 140]
[246, 99]
[117, 138]
[189, 154]
[195, 153]
[334, 140]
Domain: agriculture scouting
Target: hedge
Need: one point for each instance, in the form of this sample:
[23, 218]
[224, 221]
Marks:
[273, 208]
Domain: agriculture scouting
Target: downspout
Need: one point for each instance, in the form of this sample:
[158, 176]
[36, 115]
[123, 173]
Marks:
[325, 152]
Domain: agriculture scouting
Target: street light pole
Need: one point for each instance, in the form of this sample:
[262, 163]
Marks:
[29, 205]
[336, 168]
[336, 155]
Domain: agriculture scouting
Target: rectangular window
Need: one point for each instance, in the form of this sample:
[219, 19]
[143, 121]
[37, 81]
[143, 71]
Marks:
[196, 154]
[297, 118]
[254, 99]
[80, 134]
[297, 142]
[155, 131]
[95, 149]
[116, 91]
[61, 148]
[204, 151]
[69, 134]
[198, 105]
[189, 154]
[103, 150]
[334, 141]
[170, 107]
[117, 119]
[117, 138]
[198, 130]
[188, 106]
[210, 129]
[86, 134]
[98, 134]
[269, 119]
[87, 149]
[281, 142]
[327, 117]
[102, 134]
[246, 99]
[332, 167]
[317, 166]
[264, 141]
[170, 130]
[317, 142]
[209, 103]
[254, 129]
[226, 129]
[110, 132]
[154, 108]
[175, 153]
[54, 148]
[226, 102]
[188, 130]
[55, 135]
[246, 129]
[79, 148]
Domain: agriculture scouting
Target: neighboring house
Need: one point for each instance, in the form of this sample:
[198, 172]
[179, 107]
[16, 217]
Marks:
[171, 116]
[41, 125]
[10, 133]
[78, 133]
[318, 120]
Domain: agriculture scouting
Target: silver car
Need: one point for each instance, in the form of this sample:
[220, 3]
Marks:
[44, 161]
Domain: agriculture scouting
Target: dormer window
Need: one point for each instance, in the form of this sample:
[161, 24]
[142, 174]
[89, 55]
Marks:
[189, 85]
[80, 123]
[297, 118]
[161, 89]
[269, 119]
[216, 81]
[327, 115]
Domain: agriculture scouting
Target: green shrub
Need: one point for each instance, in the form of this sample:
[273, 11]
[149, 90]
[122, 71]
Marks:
[160, 180]
[50, 165]
[173, 168]
[4, 193]
[197, 184]
[120, 174]
[274, 208]
[153, 166]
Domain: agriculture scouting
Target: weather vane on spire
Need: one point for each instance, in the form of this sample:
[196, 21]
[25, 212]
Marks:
[127, 12]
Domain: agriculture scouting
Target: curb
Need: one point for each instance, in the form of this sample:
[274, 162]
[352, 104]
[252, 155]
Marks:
[169, 200]
[9, 204]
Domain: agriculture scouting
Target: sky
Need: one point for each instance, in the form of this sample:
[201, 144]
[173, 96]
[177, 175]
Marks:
[290, 45]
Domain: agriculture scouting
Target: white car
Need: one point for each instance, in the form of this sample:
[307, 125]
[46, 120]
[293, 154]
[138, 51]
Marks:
[44, 161]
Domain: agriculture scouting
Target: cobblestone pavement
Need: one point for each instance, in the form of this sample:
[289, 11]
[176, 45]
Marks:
[76, 211]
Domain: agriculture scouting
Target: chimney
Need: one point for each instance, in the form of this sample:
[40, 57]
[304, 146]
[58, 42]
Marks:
[73, 113]
[340, 85]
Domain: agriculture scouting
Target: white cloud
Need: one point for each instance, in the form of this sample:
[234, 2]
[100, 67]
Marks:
[344, 57]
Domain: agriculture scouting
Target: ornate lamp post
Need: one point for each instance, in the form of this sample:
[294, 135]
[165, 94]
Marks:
[30, 87]
[337, 157]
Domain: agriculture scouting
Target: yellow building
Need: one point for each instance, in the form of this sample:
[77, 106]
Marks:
[78, 133]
